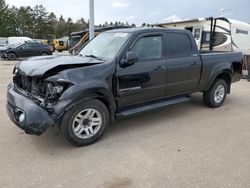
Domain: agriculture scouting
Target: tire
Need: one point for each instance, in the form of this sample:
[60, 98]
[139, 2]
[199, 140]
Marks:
[11, 56]
[81, 126]
[216, 95]
[44, 53]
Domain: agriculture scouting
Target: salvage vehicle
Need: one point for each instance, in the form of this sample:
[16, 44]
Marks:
[26, 49]
[4, 48]
[117, 74]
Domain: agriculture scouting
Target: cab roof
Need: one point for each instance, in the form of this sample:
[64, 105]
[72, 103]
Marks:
[147, 29]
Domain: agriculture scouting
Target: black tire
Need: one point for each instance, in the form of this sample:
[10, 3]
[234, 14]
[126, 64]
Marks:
[209, 97]
[69, 120]
[11, 56]
[44, 53]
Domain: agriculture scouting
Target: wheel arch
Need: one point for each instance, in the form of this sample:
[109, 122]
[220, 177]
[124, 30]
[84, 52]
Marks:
[224, 75]
[101, 95]
[13, 53]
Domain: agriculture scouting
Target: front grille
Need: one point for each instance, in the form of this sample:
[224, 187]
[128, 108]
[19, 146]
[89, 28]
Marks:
[29, 84]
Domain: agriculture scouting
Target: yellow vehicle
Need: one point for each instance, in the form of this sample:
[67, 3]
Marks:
[55, 44]
[59, 45]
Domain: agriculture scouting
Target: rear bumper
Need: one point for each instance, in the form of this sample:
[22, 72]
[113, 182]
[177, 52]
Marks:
[26, 114]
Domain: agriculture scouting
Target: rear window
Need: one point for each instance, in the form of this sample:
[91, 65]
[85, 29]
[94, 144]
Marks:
[178, 45]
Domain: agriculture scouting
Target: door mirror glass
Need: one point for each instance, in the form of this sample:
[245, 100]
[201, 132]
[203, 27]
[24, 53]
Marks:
[131, 58]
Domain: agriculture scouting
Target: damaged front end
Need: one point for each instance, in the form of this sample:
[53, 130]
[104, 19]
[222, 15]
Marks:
[41, 89]
[32, 100]
[36, 98]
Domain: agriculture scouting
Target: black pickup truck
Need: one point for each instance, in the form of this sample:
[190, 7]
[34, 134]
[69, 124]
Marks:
[118, 73]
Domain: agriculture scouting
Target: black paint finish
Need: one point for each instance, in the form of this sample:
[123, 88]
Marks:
[122, 89]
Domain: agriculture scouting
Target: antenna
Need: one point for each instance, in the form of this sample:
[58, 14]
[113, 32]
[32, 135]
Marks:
[222, 11]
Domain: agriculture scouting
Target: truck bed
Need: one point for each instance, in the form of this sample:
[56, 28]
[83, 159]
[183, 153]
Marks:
[213, 63]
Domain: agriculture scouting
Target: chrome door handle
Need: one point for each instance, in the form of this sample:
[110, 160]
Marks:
[159, 68]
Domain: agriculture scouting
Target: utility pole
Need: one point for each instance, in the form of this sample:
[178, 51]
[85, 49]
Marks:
[91, 20]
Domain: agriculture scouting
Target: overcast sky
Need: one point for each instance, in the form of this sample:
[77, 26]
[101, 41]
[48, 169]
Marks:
[139, 11]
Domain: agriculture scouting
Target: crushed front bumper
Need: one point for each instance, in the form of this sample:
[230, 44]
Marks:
[26, 114]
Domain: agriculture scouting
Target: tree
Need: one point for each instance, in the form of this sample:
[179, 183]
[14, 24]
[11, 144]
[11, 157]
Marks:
[23, 21]
[40, 18]
[69, 26]
[38, 23]
[4, 13]
[133, 25]
[52, 20]
[61, 27]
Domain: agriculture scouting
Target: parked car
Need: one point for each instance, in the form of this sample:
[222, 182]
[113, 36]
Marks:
[118, 73]
[26, 49]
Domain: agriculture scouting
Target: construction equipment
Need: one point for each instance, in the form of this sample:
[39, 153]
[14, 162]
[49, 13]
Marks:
[55, 44]
[77, 40]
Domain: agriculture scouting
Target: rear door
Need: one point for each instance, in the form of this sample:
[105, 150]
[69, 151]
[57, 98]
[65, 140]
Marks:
[184, 67]
[36, 49]
[24, 50]
[146, 79]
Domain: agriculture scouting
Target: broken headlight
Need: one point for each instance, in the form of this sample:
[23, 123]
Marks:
[55, 90]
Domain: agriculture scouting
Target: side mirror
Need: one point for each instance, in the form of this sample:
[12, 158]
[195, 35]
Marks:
[131, 58]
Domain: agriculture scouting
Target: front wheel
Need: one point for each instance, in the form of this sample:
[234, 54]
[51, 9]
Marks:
[216, 95]
[85, 123]
[11, 56]
[44, 53]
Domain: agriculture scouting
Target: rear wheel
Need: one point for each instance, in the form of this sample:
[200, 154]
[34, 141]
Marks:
[44, 53]
[85, 123]
[11, 56]
[216, 95]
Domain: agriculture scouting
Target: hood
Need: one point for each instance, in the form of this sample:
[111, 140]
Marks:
[38, 66]
[4, 48]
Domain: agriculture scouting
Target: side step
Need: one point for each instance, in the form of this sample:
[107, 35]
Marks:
[151, 106]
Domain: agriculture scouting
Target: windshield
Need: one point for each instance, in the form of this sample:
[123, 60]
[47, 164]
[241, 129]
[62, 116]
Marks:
[105, 45]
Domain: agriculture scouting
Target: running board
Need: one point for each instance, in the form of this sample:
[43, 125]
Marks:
[152, 106]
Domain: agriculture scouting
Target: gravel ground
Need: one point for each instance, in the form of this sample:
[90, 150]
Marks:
[185, 145]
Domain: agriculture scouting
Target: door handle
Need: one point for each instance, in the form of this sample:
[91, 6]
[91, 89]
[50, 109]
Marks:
[159, 68]
[194, 63]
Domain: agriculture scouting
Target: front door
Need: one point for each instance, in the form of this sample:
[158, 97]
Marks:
[24, 50]
[145, 80]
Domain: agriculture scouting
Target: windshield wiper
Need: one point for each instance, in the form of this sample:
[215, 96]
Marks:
[95, 57]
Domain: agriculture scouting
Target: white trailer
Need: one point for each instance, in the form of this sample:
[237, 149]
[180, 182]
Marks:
[217, 34]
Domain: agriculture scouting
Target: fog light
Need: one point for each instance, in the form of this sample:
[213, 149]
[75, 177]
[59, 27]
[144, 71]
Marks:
[21, 117]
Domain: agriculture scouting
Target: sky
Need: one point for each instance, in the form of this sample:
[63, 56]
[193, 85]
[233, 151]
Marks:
[140, 11]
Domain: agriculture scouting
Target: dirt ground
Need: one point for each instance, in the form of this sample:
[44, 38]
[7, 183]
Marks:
[185, 145]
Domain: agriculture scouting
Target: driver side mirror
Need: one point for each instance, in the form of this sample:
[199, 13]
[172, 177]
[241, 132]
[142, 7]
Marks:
[131, 58]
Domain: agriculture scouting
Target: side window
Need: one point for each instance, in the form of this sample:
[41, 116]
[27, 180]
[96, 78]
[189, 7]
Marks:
[178, 45]
[26, 46]
[33, 45]
[148, 47]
